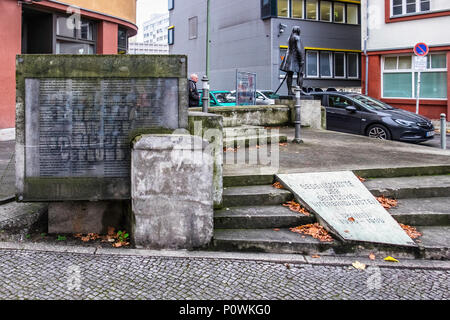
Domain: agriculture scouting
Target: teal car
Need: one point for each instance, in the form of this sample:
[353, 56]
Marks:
[219, 98]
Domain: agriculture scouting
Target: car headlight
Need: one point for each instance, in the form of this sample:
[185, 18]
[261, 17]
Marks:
[405, 123]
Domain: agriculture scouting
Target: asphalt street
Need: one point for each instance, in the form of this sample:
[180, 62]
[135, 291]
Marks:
[26, 274]
[436, 142]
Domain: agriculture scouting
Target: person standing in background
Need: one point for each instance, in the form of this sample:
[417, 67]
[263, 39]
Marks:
[194, 96]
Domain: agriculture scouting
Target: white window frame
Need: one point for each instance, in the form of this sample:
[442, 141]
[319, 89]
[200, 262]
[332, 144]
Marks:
[345, 65]
[317, 11]
[404, 8]
[317, 62]
[357, 64]
[331, 11]
[345, 12]
[330, 60]
[291, 9]
[413, 71]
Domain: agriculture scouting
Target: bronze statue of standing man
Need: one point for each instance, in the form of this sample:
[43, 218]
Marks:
[294, 61]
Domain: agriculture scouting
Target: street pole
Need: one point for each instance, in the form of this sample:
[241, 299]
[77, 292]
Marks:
[297, 120]
[205, 98]
[443, 131]
[418, 92]
[207, 38]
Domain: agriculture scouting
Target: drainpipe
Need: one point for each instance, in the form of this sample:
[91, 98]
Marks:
[366, 37]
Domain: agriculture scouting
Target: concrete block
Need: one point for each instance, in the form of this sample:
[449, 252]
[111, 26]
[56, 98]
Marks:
[85, 217]
[172, 192]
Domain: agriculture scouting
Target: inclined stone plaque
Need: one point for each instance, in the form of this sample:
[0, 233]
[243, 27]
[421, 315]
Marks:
[346, 207]
[77, 116]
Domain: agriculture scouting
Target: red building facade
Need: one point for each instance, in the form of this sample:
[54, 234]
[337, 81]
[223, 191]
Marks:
[54, 27]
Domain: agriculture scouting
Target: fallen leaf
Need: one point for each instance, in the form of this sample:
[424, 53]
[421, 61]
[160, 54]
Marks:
[411, 231]
[296, 207]
[287, 265]
[391, 259]
[371, 256]
[314, 230]
[351, 219]
[361, 179]
[276, 229]
[387, 203]
[277, 185]
[346, 231]
[359, 265]
[283, 144]
[111, 231]
[315, 256]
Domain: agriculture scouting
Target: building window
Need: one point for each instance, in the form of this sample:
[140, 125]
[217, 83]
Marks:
[339, 12]
[171, 35]
[122, 41]
[297, 9]
[74, 37]
[171, 4]
[325, 65]
[352, 14]
[400, 79]
[339, 65]
[325, 11]
[312, 65]
[311, 9]
[283, 8]
[193, 28]
[352, 65]
[402, 7]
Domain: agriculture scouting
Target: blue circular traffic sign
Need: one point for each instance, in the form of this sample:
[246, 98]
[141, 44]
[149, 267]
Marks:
[421, 49]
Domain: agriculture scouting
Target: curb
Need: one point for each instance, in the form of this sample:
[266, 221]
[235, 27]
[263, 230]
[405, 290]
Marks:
[294, 259]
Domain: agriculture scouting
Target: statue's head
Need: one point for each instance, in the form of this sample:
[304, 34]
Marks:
[296, 30]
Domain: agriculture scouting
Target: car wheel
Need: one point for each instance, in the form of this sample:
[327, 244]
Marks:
[378, 131]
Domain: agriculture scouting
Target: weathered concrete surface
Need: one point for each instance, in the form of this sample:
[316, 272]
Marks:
[210, 127]
[324, 150]
[256, 195]
[410, 187]
[423, 211]
[259, 217]
[21, 217]
[7, 171]
[434, 244]
[312, 114]
[86, 217]
[273, 115]
[172, 192]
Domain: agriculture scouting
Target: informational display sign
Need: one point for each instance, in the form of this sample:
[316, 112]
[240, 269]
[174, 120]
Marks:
[420, 63]
[346, 207]
[245, 88]
[77, 116]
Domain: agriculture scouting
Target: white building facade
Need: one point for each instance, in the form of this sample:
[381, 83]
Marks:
[390, 30]
[155, 29]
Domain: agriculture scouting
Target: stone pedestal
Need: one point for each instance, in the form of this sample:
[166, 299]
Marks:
[172, 192]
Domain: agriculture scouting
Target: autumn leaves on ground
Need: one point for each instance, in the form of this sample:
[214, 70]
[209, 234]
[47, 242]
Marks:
[317, 231]
[118, 239]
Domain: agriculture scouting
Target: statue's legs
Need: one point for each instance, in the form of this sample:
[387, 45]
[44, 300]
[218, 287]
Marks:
[300, 79]
[290, 76]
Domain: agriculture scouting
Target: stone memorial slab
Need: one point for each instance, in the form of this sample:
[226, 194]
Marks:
[77, 116]
[346, 207]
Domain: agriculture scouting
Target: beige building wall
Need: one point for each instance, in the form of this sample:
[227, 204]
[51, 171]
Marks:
[124, 9]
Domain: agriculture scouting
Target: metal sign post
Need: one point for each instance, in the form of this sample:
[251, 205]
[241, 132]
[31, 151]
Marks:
[420, 64]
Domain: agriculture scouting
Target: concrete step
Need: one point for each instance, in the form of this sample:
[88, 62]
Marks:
[259, 217]
[253, 140]
[254, 195]
[423, 211]
[410, 187]
[434, 244]
[22, 218]
[244, 130]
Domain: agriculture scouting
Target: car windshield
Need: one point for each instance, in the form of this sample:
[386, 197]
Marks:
[371, 103]
[224, 97]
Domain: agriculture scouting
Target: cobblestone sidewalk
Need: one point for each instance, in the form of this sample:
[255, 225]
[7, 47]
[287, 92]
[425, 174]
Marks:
[48, 275]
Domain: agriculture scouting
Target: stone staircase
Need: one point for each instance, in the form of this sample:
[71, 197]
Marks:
[253, 218]
[246, 135]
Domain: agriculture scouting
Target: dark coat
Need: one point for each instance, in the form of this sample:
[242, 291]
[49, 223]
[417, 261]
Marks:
[294, 60]
[194, 96]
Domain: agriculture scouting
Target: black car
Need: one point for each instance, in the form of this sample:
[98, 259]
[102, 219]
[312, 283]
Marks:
[360, 114]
